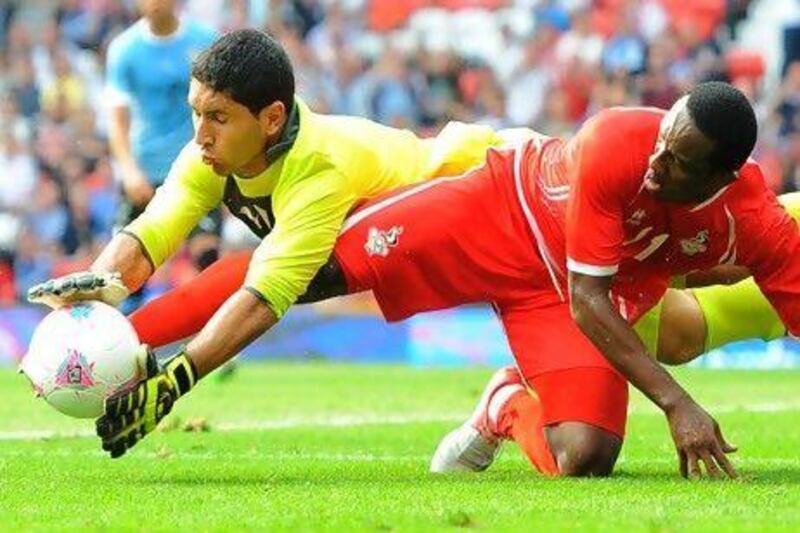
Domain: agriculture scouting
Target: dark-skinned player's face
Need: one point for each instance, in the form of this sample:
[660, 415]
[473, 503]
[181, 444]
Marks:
[681, 168]
[231, 138]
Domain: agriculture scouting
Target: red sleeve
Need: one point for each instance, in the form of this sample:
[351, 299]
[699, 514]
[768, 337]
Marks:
[600, 187]
[769, 245]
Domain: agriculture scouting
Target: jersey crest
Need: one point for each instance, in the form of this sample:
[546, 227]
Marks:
[695, 245]
[380, 242]
[255, 212]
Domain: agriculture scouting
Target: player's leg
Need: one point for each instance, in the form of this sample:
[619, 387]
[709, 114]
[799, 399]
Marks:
[694, 321]
[184, 310]
[674, 330]
[571, 420]
[583, 401]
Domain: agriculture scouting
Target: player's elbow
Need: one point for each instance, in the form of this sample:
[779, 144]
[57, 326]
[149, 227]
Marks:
[581, 306]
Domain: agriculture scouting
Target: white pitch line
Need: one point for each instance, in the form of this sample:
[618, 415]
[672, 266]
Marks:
[333, 421]
[339, 421]
[767, 407]
[347, 421]
[215, 455]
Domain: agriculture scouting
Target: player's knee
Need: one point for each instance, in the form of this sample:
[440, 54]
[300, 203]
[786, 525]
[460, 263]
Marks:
[582, 450]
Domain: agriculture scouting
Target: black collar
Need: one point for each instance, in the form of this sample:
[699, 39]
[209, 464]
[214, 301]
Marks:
[288, 136]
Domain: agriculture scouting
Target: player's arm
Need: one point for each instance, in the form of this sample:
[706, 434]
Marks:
[720, 275]
[134, 254]
[307, 225]
[137, 187]
[599, 320]
[119, 92]
[280, 271]
[697, 436]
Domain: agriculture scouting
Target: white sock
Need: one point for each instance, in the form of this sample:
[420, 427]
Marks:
[499, 399]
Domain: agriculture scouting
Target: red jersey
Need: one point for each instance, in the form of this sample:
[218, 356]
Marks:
[594, 216]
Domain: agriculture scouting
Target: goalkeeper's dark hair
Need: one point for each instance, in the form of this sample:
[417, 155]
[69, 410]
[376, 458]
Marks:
[249, 66]
[724, 115]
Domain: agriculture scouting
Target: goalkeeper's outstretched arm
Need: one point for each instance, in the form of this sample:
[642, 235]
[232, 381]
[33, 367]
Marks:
[121, 268]
[125, 254]
[240, 320]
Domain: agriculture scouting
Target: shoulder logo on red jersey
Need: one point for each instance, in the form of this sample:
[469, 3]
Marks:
[695, 245]
[379, 242]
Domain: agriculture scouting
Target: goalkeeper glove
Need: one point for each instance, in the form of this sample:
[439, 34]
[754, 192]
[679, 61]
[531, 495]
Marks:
[131, 415]
[78, 287]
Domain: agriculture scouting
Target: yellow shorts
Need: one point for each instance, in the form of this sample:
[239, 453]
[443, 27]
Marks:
[732, 313]
[737, 312]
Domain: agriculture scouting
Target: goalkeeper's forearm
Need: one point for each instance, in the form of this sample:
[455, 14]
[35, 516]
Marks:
[124, 254]
[240, 320]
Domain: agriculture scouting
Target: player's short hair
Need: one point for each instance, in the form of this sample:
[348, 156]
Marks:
[249, 66]
[724, 115]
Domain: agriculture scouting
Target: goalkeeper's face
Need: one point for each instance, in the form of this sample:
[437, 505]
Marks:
[233, 140]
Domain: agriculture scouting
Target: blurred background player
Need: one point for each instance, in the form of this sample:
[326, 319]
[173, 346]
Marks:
[148, 72]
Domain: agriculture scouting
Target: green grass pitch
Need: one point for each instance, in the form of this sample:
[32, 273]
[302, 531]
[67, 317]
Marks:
[340, 448]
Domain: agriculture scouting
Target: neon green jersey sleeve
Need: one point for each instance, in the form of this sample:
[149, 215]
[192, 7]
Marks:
[190, 191]
[308, 215]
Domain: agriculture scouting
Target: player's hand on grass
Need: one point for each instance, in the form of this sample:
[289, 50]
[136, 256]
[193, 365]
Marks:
[698, 439]
[79, 287]
[131, 415]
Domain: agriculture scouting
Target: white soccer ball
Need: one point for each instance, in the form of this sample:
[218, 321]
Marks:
[80, 355]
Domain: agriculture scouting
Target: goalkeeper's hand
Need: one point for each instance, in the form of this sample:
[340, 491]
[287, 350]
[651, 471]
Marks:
[78, 287]
[131, 415]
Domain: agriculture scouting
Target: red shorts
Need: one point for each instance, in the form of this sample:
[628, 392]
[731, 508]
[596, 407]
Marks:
[466, 239]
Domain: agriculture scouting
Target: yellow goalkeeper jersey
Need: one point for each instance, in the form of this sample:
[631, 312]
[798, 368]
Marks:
[320, 168]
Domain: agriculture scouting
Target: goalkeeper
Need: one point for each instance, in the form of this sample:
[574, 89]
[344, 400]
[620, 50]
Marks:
[289, 174]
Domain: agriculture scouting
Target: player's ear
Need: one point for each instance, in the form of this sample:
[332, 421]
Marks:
[272, 118]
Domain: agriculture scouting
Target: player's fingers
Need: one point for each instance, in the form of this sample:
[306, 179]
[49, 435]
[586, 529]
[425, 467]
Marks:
[110, 427]
[693, 464]
[88, 281]
[120, 442]
[63, 286]
[727, 447]
[107, 427]
[711, 466]
[682, 463]
[37, 291]
[126, 402]
[724, 462]
[117, 449]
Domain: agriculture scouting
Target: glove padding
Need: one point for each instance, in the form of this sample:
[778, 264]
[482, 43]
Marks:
[131, 415]
[106, 287]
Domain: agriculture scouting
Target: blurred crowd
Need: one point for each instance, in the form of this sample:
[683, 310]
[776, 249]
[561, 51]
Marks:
[546, 64]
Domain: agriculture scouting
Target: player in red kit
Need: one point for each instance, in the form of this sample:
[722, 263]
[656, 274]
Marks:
[572, 242]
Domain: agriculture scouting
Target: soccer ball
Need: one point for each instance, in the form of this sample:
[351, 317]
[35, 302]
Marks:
[80, 355]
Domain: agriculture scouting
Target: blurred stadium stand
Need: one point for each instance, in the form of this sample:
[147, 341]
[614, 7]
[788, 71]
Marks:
[547, 64]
